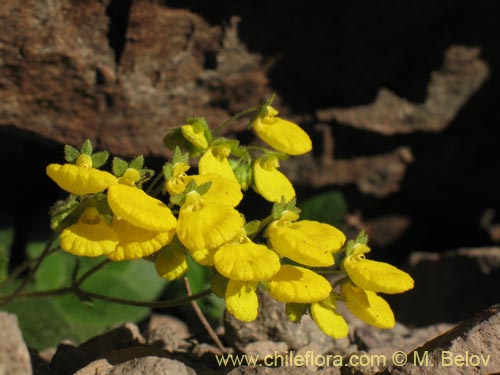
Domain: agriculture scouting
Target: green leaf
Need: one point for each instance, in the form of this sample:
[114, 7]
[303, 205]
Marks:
[6, 240]
[71, 153]
[329, 208]
[119, 166]
[99, 159]
[86, 147]
[137, 163]
[203, 188]
[45, 322]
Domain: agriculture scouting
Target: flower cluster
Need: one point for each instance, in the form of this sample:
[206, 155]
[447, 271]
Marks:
[183, 215]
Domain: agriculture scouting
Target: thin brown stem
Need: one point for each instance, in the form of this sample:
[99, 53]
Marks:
[204, 320]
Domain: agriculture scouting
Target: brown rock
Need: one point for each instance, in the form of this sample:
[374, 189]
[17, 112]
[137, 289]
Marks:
[14, 355]
[167, 332]
[152, 365]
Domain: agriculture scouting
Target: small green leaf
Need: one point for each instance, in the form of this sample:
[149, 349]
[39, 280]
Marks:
[86, 147]
[203, 188]
[119, 166]
[329, 208]
[71, 153]
[99, 159]
[191, 186]
[251, 227]
[168, 170]
[242, 169]
[176, 139]
[178, 199]
[137, 163]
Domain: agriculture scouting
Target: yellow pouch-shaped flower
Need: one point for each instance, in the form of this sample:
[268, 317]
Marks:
[222, 190]
[246, 261]
[297, 284]
[171, 262]
[194, 133]
[368, 306]
[376, 276]
[306, 242]
[80, 180]
[282, 135]
[206, 226]
[241, 300]
[271, 183]
[215, 161]
[176, 184]
[90, 236]
[325, 314]
[135, 242]
[135, 206]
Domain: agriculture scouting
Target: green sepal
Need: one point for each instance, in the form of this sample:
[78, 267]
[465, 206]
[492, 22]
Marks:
[71, 154]
[361, 238]
[99, 159]
[243, 171]
[65, 213]
[295, 311]
[252, 227]
[178, 199]
[203, 188]
[119, 166]
[176, 139]
[168, 171]
[201, 121]
[86, 147]
[137, 163]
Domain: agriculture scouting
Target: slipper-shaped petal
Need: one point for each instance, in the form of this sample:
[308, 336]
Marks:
[270, 182]
[195, 134]
[325, 314]
[80, 180]
[135, 242]
[368, 306]
[215, 161]
[246, 261]
[222, 190]
[241, 300]
[297, 284]
[135, 206]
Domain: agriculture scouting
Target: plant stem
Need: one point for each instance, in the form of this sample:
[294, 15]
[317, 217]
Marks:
[236, 117]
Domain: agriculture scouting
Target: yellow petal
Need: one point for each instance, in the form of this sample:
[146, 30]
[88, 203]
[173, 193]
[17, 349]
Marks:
[205, 257]
[135, 242]
[241, 300]
[368, 306]
[376, 276]
[135, 206]
[216, 162]
[80, 180]
[271, 183]
[306, 242]
[195, 135]
[297, 284]
[221, 190]
[282, 135]
[171, 262]
[325, 314]
[207, 226]
[246, 261]
[90, 240]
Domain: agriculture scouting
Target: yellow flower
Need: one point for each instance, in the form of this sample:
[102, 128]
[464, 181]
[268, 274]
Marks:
[136, 207]
[135, 242]
[375, 276]
[221, 189]
[81, 178]
[215, 161]
[306, 242]
[245, 260]
[282, 135]
[175, 184]
[368, 306]
[171, 262]
[204, 226]
[195, 134]
[325, 314]
[297, 284]
[90, 236]
[271, 183]
[241, 300]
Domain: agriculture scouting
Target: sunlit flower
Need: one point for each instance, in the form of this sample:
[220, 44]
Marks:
[270, 182]
[306, 242]
[80, 178]
[214, 160]
[241, 300]
[368, 306]
[135, 242]
[205, 226]
[171, 262]
[90, 236]
[195, 134]
[222, 190]
[298, 284]
[375, 276]
[325, 314]
[245, 260]
[282, 135]
[176, 184]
